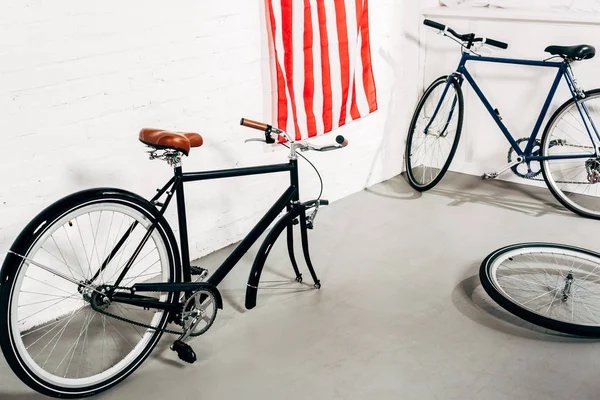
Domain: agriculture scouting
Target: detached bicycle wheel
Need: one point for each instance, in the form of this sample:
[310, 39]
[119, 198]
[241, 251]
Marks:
[551, 285]
[431, 143]
[53, 280]
[574, 182]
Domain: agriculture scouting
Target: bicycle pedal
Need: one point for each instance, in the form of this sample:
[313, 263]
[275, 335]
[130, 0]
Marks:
[203, 272]
[184, 351]
[487, 177]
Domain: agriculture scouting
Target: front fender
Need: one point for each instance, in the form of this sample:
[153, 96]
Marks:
[263, 253]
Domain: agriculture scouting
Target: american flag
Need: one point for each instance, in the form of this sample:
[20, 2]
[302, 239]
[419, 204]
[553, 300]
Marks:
[322, 57]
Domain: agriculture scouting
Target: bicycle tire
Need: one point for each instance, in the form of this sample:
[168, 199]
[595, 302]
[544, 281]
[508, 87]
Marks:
[536, 291]
[410, 152]
[59, 225]
[568, 199]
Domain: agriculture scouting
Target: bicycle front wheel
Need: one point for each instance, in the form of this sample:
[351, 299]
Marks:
[575, 182]
[434, 133]
[551, 285]
[52, 337]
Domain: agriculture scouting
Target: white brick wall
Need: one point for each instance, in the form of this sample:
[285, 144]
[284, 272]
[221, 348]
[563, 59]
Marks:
[78, 80]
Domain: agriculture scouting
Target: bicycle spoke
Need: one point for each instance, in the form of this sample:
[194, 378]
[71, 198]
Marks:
[429, 151]
[568, 178]
[559, 285]
[56, 331]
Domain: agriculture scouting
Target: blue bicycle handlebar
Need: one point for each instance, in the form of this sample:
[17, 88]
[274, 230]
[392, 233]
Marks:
[468, 37]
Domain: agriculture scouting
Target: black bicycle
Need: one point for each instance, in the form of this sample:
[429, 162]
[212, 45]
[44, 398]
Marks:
[92, 283]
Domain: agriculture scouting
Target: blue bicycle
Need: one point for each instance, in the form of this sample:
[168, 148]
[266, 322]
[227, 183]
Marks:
[567, 156]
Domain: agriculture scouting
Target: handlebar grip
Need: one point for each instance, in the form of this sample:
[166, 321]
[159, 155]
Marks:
[341, 140]
[496, 43]
[254, 125]
[434, 24]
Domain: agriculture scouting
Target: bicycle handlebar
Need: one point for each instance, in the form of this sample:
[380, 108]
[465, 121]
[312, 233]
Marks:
[269, 138]
[342, 141]
[254, 125]
[492, 42]
[434, 24]
[467, 37]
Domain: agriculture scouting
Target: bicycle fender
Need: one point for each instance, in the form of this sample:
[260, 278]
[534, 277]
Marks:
[261, 257]
[35, 228]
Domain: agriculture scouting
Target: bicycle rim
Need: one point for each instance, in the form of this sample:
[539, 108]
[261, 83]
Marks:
[59, 339]
[551, 285]
[570, 180]
[429, 154]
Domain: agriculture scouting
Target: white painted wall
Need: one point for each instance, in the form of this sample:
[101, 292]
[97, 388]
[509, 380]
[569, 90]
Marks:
[78, 80]
[517, 91]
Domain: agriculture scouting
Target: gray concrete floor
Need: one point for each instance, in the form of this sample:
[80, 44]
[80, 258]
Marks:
[401, 314]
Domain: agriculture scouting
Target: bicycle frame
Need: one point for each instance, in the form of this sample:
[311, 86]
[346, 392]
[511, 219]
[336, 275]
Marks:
[527, 154]
[289, 201]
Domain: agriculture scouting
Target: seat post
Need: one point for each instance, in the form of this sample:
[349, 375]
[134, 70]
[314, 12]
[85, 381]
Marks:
[570, 75]
[181, 217]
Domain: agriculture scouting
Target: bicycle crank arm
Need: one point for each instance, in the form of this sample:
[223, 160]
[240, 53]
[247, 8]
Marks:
[493, 175]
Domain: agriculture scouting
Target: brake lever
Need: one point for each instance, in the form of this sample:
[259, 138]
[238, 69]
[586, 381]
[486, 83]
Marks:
[255, 140]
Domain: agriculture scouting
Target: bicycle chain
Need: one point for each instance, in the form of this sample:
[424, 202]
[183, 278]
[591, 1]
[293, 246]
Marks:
[568, 182]
[140, 324]
[129, 321]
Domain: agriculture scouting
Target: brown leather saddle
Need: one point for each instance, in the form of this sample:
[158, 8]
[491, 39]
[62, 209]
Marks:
[161, 139]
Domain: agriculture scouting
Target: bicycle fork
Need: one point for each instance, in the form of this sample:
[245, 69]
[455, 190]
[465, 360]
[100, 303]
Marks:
[443, 131]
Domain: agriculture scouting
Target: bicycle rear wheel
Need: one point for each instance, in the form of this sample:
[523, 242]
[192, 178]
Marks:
[551, 285]
[575, 182]
[51, 336]
[429, 153]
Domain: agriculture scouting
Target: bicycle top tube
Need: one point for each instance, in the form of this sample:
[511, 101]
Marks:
[467, 56]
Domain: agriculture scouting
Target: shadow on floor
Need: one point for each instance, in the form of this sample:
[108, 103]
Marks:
[21, 396]
[471, 300]
[395, 188]
[536, 208]
[462, 189]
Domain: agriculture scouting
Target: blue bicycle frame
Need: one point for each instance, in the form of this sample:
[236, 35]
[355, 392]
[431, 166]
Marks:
[527, 155]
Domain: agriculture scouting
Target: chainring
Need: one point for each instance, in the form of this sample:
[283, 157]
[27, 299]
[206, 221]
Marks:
[199, 312]
[206, 298]
[528, 170]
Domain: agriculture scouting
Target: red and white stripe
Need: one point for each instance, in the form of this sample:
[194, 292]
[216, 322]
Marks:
[323, 72]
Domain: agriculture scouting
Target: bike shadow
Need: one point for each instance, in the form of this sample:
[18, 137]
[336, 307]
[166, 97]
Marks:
[471, 300]
[464, 189]
[524, 199]
[395, 188]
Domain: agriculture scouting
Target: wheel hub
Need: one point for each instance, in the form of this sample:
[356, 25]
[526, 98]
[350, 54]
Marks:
[593, 170]
[566, 292]
[97, 297]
